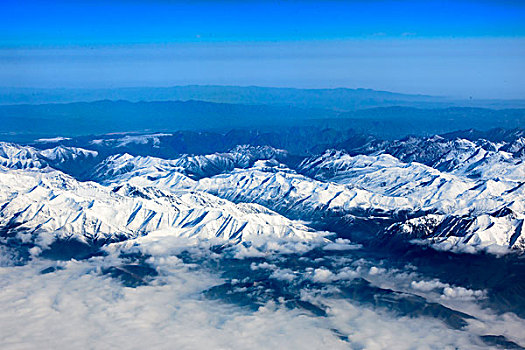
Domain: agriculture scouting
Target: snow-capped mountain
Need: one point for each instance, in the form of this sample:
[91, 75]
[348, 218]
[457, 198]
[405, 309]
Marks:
[26, 157]
[42, 206]
[337, 184]
[414, 188]
[195, 167]
[20, 157]
[453, 191]
[477, 159]
[61, 154]
[425, 187]
[494, 230]
[466, 209]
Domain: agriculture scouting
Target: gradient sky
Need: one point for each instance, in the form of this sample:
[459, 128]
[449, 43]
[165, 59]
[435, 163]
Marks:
[453, 48]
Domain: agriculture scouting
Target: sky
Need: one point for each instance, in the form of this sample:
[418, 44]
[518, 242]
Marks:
[449, 48]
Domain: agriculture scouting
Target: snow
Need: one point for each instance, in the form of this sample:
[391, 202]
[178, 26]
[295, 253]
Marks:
[61, 153]
[53, 205]
[478, 201]
[53, 139]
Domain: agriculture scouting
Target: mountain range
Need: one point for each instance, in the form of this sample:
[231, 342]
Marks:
[451, 192]
[21, 123]
[337, 99]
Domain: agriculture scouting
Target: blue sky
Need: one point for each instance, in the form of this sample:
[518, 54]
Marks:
[459, 48]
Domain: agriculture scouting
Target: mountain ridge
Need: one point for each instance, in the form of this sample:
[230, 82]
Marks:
[102, 117]
[339, 99]
[462, 194]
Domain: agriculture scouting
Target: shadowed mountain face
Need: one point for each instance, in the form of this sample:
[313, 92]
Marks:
[298, 141]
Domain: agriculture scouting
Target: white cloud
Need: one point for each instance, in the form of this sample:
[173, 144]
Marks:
[427, 286]
[376, 270]
[53, 140]
[283, 275]
[462, 293]
[76, 307]
[263, 265]
[342, 244]
[323, 275]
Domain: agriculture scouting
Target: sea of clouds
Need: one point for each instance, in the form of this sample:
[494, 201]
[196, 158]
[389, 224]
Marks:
[77, 305]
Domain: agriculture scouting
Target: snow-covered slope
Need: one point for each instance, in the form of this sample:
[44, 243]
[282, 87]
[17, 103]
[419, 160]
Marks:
[25, 157]
[195, 167]
[425, 187]
[275, 186]
[41, 206]
[336, 184]
[471, 210]
[20, 157]
[502, 229]
[288, 192]
[477, 159]
[61, 154]
[462, 193]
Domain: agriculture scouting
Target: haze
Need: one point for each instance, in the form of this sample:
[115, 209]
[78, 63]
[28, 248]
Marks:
[458, 49]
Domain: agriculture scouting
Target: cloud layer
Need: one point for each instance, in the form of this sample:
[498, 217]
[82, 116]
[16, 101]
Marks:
[74, 304]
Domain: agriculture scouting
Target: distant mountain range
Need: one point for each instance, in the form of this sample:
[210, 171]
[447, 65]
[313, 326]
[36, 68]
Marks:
[340, 99]
[29, 121]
